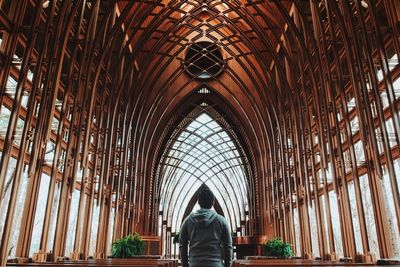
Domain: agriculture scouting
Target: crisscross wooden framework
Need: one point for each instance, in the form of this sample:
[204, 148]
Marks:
[89, 87]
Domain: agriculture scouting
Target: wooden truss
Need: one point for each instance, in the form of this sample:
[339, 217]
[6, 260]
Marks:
[91, 86]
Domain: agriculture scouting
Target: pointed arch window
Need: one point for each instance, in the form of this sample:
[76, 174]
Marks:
[203, 151]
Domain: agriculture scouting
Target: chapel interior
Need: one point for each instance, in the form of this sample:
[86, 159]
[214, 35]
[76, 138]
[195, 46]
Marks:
[115, 114]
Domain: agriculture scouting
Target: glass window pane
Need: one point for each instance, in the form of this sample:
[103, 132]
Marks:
[369, 215]
[359, 151]
[11, 86]
[337, 236]
[351, 104]
[49, 155]
[6, 194]
[24, 101]
[296, 231]
[18, 215]
[391, 212]
[110, 231]
[396, 85]
[314, 229]
[384, 99]
[379, 138]
[325, 220]
[203, 152]
[18, 131]
[354, 124]
[73, 216]
[40, 212]
[391, 132]
[396, 169]
[79, 174]
[93, 232]
[354, 214]
[5, 114]
[53, 218]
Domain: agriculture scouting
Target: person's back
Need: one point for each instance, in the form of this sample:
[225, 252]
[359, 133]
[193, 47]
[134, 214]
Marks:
[207, 235]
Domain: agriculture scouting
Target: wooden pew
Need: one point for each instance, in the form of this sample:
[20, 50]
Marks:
[294, 262]
[105, 263]
[164, 262]
[87, 265]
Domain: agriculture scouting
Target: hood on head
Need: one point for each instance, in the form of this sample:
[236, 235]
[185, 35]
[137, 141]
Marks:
[203, 217]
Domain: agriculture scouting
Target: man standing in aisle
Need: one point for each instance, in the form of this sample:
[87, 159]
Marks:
[208, 236]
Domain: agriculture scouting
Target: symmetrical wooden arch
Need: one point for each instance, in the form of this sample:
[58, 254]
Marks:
[207, 154]
[88, 87]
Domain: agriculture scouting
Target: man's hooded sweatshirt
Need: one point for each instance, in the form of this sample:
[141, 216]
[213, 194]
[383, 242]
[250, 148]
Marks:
[209, 240]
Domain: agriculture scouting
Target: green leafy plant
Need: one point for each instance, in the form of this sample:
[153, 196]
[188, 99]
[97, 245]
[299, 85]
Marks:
[277, 248]
[175, 240]
[128, 246]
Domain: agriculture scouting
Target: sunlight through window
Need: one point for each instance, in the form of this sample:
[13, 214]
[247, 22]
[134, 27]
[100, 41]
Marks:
[203, 154]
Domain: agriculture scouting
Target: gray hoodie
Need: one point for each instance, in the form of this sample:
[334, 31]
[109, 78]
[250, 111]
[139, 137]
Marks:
[209, 240]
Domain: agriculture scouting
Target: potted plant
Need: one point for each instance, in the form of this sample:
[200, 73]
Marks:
[276, 248]
[128, 246]
[175, 239]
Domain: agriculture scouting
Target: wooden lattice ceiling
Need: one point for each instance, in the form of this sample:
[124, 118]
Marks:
[309, 87]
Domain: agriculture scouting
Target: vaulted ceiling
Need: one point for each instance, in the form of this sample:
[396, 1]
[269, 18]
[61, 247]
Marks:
[274, 62]
[156, 38]
[305, 88]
